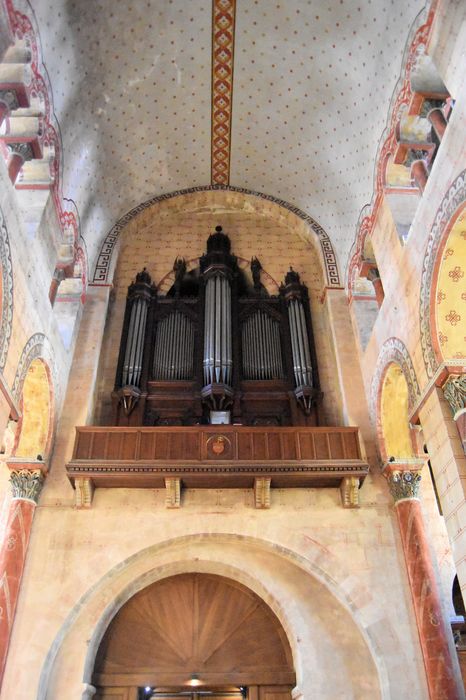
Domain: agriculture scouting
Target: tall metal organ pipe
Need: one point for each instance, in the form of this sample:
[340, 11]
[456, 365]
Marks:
[217, 337]
[174, 348]
[260, 340]
[302, 365]
[134, 350]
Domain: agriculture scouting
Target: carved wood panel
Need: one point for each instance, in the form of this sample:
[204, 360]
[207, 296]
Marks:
[194, 624]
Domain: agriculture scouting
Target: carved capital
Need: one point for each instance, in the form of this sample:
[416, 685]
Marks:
[454, 390]
[403, 484]
[26, 484]
[22, 149]
[84, 492]
[173, 493]
[349, 490]
[262, 492]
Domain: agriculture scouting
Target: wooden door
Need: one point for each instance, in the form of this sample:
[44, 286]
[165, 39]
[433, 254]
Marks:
[269, 692]
[116, 694]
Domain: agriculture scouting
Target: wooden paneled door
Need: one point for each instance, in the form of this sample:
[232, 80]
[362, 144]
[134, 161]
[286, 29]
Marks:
[266, 692]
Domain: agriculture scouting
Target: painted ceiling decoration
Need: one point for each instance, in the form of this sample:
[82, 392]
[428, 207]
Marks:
[154, 98]
[223, 43]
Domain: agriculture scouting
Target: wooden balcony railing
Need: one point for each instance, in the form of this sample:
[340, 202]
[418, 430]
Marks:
[223, 456]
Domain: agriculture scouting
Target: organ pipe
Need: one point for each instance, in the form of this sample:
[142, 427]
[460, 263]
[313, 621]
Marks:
[174, 348]
[139, 299]
[261, 347]
[217, 339]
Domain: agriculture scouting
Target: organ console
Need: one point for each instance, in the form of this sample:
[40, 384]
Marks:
[217, 348]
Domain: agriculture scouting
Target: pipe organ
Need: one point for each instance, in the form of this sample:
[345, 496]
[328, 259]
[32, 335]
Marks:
[217, 348]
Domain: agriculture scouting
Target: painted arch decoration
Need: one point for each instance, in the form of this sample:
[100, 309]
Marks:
[104, 259]
[394, 393]
[417, 41]
[6, 297]
[394, 351]
[443, 280]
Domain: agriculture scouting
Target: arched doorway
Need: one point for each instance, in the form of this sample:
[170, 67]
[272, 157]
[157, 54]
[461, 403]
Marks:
[194, 635]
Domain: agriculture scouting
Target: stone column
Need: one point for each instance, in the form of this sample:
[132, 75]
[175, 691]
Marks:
[454, 391]
[26, 486]
[442, 671]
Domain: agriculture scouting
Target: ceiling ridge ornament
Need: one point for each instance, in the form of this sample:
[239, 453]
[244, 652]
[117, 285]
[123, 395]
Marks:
[104, 258]
[223, 43]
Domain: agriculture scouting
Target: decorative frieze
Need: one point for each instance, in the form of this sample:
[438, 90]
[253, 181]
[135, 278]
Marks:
[26, 484]
[454, 391]
[404, 484]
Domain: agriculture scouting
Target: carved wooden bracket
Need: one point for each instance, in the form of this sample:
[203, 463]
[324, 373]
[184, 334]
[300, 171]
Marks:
[84, 492]
[262, 492]
[349, 490]
[173, 493]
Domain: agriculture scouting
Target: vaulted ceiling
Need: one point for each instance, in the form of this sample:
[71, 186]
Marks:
[299, 105]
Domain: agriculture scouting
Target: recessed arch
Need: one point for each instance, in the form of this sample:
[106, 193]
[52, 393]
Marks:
[394, 372]
[281, 577]
[446, 220]
[394, 415]
[195, 623]
[36, 372]
[35, 426]
[307, 225]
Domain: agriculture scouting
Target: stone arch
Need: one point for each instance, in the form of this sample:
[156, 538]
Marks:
[263, 567]
[310, 227]
[446, 217]
[392, 353]
[38, 353]
[6, 297]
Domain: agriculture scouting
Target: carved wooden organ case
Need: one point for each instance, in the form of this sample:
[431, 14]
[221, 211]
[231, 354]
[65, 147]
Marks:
[217, 348]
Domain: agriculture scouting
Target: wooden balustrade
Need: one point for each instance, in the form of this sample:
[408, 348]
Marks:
[223, 456]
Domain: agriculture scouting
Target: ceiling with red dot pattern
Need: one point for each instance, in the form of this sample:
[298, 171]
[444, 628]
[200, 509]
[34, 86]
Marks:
[311, 88]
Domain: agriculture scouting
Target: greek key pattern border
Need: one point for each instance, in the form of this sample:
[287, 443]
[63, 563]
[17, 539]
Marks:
[104, 258]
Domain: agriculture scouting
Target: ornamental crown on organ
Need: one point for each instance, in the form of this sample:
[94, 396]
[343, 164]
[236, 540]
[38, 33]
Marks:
[217, 348]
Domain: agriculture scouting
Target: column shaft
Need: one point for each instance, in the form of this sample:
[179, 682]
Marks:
[433, 634]
[12, 558]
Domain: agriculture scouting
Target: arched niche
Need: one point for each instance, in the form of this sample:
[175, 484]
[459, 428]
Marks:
[394, 415]
[194, 625]
[439, 315]
[329, 628]
[448, 314]
[34, 429]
